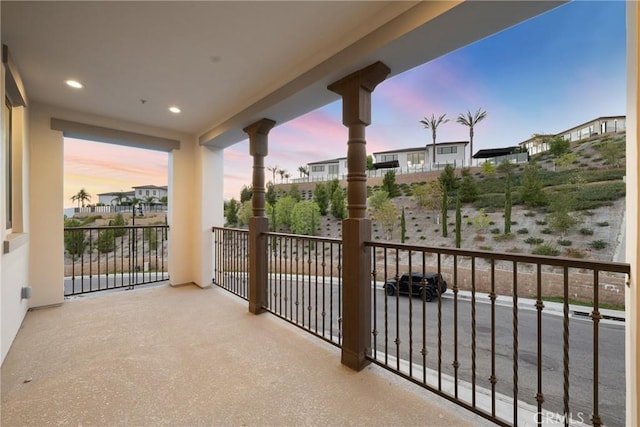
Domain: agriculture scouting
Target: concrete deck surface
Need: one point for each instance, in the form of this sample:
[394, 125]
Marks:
[189, 357]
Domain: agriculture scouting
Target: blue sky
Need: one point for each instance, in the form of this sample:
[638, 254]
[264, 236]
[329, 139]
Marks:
[545, 75]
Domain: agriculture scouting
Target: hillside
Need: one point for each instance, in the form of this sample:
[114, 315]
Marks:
[594, 178]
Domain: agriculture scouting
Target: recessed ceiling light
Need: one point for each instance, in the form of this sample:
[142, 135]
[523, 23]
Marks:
[74, 84]
[175, 110]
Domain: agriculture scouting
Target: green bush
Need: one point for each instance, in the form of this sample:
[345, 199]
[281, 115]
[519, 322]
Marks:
[504, 237]
[151, 236]
[529, 214]
[74, 240]
[574, 253]
[586, 232]
[523, 231]
[545, 249]
[546, 231]
[106, 241]
[603, 224]
[598, 244]
[495, 231]
[118, 220]
[565, 242]
[533, 240]
[541, 222]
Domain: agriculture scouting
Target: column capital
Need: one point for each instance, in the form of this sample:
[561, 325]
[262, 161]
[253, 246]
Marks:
[257, 132]
[356, 89]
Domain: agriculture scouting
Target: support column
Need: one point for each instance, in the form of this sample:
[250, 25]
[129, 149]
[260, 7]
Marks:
[355, 90]
[258, 224]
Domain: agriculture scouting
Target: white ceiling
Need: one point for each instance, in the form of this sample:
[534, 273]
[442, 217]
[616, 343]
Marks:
[226, 64]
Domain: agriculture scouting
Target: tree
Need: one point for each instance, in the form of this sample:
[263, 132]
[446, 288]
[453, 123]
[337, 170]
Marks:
[559, 146]
[274, 170]
[231, 212]
[561, 218]
[377, 199]
[481, 221]
[565, 161]
[507, 206]
[106, 241]
[429, 195]
[284, 207]
[338, 206]
[387, 215]
[321, 197]
[271, 196]
[245, 213]
[389, 184]
[303, 218]
[471, 120]
[370, 166]
[295, 192]
[164, 200]
[74, 240]
[531, 192]
[468, 190]
[448, 178]
[433, 123]
[445, 203]
[333, 184]
[118, 220]
[403, 227]
[118, 198]
[612, 152]
[246, 193]
[458, 223]
[488, 168]
[304, 171]
[282, 173]
[506, 168]
[81, 197]
[149, 201]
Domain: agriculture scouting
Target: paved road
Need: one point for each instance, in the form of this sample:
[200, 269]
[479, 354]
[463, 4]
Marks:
[611, 378]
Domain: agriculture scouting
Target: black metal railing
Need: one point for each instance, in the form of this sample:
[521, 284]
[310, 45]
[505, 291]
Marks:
[102, 258]
[231, 260]
[495, 341]
[304, 283]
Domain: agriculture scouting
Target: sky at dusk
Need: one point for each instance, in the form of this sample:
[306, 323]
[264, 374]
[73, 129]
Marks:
[545, 75]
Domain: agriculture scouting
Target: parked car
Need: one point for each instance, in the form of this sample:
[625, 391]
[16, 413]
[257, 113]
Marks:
[432, 286]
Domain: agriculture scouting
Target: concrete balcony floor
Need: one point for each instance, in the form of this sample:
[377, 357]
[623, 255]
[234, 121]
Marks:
[189, 356]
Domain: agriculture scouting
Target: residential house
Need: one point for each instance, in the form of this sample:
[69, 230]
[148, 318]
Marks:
[145, 192]
[496, 156]
[598, 126]
[420, 158]
[326, 170]
[137, 59]
[111, 198]
[538, 143]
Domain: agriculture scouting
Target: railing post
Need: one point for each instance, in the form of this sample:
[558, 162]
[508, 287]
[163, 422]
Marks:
[355, 90]
[258, 224]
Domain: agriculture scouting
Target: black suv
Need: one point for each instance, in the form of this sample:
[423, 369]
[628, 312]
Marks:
[434, 285]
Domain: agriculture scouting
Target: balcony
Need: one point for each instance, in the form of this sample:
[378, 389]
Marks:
[188, 356]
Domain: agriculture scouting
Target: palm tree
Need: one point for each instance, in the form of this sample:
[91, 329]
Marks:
[471, 120]
[273, 170]
[433, 123]
[81, 197]
[149, 201]
[287, 175]
[304, 171]
[281, 172]
[119, 198]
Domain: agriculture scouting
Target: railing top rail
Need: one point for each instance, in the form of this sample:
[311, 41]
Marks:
[240, 230]
[111, 227]
[301, 236]
[615, 267]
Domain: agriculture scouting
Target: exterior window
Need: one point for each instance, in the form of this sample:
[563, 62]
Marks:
[333, 169]
[317, 168]
[447, 150]
[388, 157]
[9, 163]
[155, 193]
[415, 159]
[146, 193]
